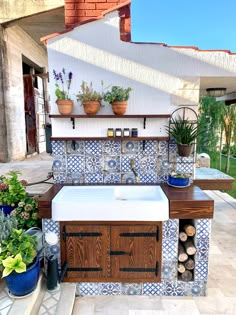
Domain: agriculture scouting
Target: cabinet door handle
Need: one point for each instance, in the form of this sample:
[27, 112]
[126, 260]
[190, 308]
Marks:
[118, 253]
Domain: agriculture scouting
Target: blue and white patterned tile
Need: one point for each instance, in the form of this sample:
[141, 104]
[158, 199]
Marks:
[58, 148]
[93, 178]
[76, 163]
[203, 227]
[93, 164]
[50, 225]
[202, 245]
[163, 148]
[128, 178]
[130, 147]
[162, 178]
[147, 163]
[201, 270]
[169, 270]
[173, 288]
[93, 148]
[75, 147]
[149, 147]
[125, 162]
[111, 163]
[111, 147]
[171, 228]
[110, 288]
[196, 288]
[87, 288]
[149, 178]
[153, 289]
[164, 167]
[131, 288]
[169, 249]
[113, 178]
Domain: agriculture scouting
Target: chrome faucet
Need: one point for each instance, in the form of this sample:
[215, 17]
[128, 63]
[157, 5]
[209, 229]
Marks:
[132, 163]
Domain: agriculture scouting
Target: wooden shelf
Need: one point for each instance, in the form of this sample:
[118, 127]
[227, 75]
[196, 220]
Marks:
[111, 116]
[109, 138]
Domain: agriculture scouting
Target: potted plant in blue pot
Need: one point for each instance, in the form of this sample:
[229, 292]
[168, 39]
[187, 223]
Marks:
[19, 262]
[180, 180]
[12, 191]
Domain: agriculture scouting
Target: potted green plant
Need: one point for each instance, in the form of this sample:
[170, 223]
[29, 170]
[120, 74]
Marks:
[19, 262]
[177, 179]
[62, 91]
[117, 97]
[185, 133]
[12, 190]
[89, 98]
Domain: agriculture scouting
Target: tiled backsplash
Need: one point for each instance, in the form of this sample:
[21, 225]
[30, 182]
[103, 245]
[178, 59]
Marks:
[109, 161]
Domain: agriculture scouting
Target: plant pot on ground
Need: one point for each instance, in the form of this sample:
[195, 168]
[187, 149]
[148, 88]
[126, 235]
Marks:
[89, 98]
[19, 263]
[185, 133]
[117, 97]
[63, 84]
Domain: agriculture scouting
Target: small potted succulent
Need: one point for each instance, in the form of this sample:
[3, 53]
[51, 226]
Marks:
[185, 133]
[19, 262]
[89, 98]
[177, 179]
[12, 191]
[62, 91]
[117, 97]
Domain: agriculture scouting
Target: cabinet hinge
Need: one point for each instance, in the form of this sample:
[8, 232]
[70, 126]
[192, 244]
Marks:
[142, 234]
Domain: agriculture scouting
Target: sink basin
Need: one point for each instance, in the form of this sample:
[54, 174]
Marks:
[110, 203]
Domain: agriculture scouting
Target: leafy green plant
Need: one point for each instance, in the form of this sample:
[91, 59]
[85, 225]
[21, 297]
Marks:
[17, 252]
[117, 94]
[180, 175]
[7, 224]
[87, 93]
[26, 213]
[183, 131]
[12, 190]
[63, 83]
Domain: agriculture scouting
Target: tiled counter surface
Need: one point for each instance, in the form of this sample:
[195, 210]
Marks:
[212, 179]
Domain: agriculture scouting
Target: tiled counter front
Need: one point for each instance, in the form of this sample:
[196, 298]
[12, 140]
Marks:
[109, 161]
[169, 285]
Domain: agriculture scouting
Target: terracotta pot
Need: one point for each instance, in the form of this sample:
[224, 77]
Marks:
[119, 108]
[91, 107]
[184, 149]
[65, 107]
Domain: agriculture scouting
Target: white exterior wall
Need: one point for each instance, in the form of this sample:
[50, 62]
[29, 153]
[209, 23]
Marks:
[18, 44]
[161, 78]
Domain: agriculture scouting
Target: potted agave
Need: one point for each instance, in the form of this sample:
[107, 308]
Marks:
[12, 191]
[185, 133]
[63, 84]
[19, 261]
[89, 98]
[117, 97]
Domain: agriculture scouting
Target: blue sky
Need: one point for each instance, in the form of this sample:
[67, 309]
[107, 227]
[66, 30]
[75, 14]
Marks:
[207, 24]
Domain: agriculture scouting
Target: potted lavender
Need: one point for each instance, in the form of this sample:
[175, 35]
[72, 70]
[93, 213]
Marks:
[63, 84]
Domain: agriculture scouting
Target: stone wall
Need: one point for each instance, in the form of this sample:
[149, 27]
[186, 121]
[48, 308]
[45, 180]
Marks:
[16, 44]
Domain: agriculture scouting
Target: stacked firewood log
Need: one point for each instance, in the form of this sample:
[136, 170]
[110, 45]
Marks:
[186, 252]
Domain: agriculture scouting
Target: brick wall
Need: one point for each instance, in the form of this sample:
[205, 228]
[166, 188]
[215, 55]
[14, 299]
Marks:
[79, 11]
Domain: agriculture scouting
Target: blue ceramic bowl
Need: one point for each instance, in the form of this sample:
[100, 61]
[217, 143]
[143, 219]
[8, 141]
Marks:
[178, 181]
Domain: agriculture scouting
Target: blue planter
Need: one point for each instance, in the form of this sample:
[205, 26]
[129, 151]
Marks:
[6, 209]
[180, 182]
[20, 284]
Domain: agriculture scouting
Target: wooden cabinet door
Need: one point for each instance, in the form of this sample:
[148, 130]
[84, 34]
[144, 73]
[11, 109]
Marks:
[86, 250]
[136, 252]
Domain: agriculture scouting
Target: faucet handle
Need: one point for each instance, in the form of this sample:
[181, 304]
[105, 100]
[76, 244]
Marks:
[132, 162]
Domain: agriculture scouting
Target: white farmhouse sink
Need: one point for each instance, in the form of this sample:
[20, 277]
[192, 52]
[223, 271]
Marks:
[110, 203]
